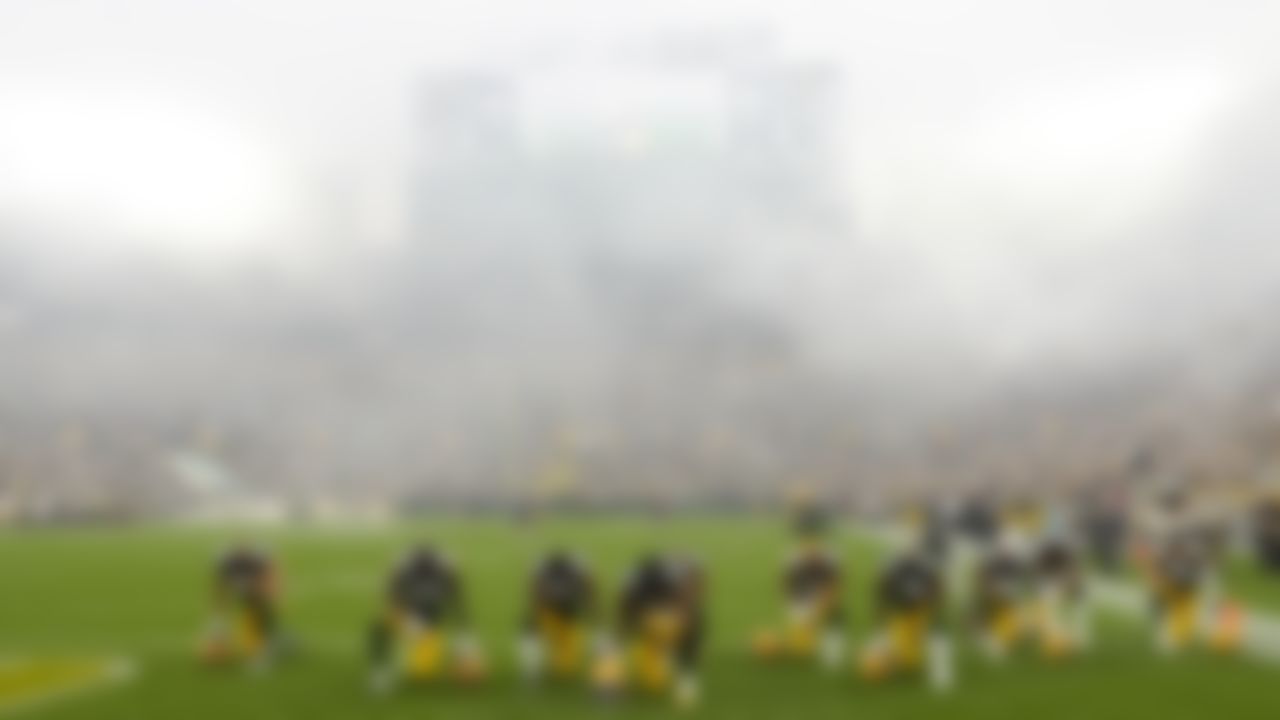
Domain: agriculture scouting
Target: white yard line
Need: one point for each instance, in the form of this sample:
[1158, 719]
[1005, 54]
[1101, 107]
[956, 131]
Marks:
[1261, 636]
[1123, 597]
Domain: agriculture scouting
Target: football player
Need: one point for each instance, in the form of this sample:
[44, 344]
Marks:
[1185, 596]
[811, 588]
[1104, 521]
[929, 525]
[1060, 618]
[245, 625]
[911, 635]
[661, 626]
[1000, 581]
[558, 620]
[978, 520]
[1265, 527]
[422, 633]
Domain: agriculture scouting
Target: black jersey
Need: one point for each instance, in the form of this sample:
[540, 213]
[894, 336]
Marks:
[244, 574]
[1057, 564]
[427, 586]
[562, 584]
[810, 574]
[910, 583]
[653, 584]
[1055, 558]
[675, 585]
[1105, 525]
[978, 520]
[1266, 533]
[1001, 579]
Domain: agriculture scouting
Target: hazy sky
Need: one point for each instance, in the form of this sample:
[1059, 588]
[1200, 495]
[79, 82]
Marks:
[1038, 99]
[985, 139]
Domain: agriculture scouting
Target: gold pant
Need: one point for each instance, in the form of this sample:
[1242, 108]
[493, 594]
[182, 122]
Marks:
[907, 633]
[901, 648]
[566, 643]
[651, 653]
[424, 648]
[804, 626]
[1178, 622]
[1004, 625]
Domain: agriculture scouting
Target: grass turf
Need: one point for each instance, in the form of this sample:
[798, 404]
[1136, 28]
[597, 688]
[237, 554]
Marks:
[141, 592]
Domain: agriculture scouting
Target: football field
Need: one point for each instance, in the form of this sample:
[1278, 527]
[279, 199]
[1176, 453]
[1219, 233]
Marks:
[100, 624]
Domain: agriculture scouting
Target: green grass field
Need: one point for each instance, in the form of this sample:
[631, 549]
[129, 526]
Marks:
[71, 595]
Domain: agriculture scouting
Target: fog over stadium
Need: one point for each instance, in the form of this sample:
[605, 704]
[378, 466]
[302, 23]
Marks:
[619, 253]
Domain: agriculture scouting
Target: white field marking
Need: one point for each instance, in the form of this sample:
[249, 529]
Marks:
[114, 671]
[1261, 636]
[1120, 596]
